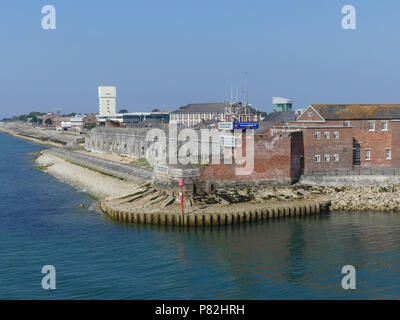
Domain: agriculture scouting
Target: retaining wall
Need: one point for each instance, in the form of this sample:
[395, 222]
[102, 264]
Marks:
[216, 219]
[350, 181]
[119, 170]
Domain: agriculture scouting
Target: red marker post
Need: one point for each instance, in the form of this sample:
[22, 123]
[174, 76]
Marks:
[181, 183]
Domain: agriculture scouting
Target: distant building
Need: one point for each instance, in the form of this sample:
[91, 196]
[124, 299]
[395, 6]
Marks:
[193, 114]
[282, 104]
[107, 100]
[133, 119]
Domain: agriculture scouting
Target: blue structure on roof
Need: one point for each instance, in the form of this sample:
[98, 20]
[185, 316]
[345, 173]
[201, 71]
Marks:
[245, 125]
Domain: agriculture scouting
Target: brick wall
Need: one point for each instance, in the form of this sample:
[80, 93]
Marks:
[342, 147]
[376, 141]
[395, 143]
[272, 161]
[296, 155]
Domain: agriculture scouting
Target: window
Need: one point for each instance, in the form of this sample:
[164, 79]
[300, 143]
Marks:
[317, 158]
[318, 135]
[336, 157]
[368, 155]
[372, 126]
[336, 135]
[310, 114]
[346, 123]
[327, 157]
[327, 135]
[384, 125]
[388, 154]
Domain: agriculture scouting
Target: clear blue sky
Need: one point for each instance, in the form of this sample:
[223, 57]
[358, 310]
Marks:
[169, 53]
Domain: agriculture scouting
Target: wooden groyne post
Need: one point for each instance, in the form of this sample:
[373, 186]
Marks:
[216, 219]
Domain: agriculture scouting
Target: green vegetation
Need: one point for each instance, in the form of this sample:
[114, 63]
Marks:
[123, 111]
[140, 162]
[32, 117]
[90, 125]
[36, 155]
[44, 167]
[94, 196]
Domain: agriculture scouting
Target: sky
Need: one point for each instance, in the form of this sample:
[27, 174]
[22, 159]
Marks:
[169, 53]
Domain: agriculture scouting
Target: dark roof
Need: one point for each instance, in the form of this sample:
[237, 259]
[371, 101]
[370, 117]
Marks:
[277, 117]
[281, 116]
[358, 111]
[203, 107]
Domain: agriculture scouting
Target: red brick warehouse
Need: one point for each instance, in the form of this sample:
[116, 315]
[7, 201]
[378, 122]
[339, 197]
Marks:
[346, 137]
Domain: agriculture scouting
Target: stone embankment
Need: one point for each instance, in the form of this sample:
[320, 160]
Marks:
[367, 198]
[384, 198]
[107, 167]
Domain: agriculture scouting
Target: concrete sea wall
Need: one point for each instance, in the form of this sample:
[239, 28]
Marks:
[216, 219]
[350, 181]
[112, 168]
[130, 142]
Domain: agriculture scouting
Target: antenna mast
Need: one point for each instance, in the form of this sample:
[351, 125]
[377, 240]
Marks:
[247, 89]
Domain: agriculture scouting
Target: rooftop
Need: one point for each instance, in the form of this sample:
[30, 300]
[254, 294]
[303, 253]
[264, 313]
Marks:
[358, 111]
[277, 117]
[203, 107]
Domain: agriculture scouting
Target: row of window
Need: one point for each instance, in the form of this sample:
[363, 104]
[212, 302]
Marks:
[327, 135]
[210, 116]
[327, 158]
[387, 151]
[384, 125]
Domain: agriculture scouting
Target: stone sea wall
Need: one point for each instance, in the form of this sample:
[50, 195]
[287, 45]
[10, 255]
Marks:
[112, 168]
[350, 181]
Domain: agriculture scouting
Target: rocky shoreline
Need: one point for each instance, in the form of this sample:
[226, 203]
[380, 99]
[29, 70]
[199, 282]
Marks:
[383, 199]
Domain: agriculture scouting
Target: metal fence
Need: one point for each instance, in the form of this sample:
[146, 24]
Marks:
[354, 172]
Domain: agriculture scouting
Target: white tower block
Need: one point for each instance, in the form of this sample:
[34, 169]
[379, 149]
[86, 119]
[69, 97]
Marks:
[107, 100]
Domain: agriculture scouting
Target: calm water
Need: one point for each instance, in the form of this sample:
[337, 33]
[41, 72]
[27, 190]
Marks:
[95, 258]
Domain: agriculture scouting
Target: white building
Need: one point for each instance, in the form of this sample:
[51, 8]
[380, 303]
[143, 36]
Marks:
[77, 122]
[193, 114]
[107, 100]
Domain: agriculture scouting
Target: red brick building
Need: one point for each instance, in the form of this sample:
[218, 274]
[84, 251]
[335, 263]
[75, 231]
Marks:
[278, 159]
[338, 137]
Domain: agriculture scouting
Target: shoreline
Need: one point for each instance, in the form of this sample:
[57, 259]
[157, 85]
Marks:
[32, 139]
[96, 183]
[124, 199]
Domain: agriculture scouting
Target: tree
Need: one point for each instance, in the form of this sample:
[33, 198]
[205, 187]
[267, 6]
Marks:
[48, 122]
[90, 125]
[123, 111]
